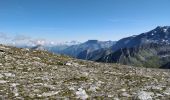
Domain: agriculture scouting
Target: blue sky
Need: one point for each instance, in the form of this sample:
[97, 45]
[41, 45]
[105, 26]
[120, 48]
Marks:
[66, 20]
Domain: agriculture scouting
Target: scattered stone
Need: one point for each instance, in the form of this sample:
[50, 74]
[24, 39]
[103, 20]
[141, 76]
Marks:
[110, 95]
[159, 95]
[123, 90]
[81, 94]
[2, 81]
[14, 89]
[167, 91]
[93, 88]
[142, 95]
[125, 94]
[68, 64]
[85, 73]
[156, 87]
[9, 74]
[71, 88]
[50, 93]
[1, 76]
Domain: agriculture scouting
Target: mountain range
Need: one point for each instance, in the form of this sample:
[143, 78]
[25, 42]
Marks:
[82, 50]
[149, 49]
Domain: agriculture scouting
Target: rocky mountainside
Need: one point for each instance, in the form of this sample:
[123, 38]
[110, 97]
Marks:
[150, 49]
[94, 55]
[33, 74]
[148, 55]
[157, 35]
[166, 66]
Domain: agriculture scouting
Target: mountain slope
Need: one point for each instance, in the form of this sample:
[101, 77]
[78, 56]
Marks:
[148, 55]
[32, 74]
[94, 55]
[157, 35]
[166, 66]
[140, 50]
[81, 51]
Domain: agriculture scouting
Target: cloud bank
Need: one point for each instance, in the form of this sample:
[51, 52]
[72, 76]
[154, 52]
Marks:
[19, 40]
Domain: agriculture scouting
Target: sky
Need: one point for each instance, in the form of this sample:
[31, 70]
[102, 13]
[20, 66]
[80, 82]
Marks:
[81, 20]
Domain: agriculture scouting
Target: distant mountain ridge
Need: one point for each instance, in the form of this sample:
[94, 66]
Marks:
[86, 47]
[76, 49]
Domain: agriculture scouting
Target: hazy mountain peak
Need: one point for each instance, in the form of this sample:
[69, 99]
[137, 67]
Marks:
[162, 28]
[73, 42]
[92, 41]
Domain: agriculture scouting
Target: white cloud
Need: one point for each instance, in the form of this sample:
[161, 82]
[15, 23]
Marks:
[23, 40]
[19, 40]
[38, 42]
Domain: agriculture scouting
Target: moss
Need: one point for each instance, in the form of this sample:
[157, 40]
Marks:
[45, 89]
[99, 98]
[60, 63]
[67, 93]
[81, 62]
[25, 69]
[38, 81]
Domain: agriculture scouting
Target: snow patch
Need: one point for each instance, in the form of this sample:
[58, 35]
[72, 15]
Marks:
[165, 29]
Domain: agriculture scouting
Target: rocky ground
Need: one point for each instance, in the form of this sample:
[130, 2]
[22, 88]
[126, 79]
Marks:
[28, 74]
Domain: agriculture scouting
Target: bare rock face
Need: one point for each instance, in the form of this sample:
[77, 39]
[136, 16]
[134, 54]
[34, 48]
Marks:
[34, 74]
